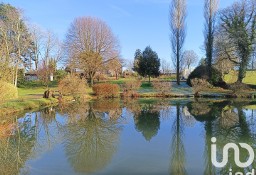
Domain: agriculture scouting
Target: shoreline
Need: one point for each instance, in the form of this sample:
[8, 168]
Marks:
[20, 105]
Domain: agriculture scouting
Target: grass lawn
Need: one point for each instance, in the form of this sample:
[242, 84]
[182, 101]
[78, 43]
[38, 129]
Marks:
[31, 93]
[29, 98]
[14, 106]
[146, 87]
[249, 79]
[119, 81]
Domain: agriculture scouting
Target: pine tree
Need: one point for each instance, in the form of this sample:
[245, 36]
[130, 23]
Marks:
[149, 63]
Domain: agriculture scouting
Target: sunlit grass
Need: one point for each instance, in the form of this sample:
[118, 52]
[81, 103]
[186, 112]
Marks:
[249, 79]
[25, 92]
[10, 107]
[28, 98]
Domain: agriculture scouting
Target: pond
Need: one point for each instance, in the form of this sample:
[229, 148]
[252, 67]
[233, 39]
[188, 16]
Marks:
[143, 136]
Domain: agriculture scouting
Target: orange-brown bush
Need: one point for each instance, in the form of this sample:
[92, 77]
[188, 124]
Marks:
[106, 90]
[199, 85]
[162, 87]
[72, 85]
[130, 88]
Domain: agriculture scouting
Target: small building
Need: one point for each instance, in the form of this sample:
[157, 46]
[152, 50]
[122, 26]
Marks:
[31, 76]
[186, 72]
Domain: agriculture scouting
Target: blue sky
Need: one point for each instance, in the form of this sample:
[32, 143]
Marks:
[136, 23]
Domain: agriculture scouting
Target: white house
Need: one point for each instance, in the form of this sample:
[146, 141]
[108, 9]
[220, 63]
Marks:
[186, 72]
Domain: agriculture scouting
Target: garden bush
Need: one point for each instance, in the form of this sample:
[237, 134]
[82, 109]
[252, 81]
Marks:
[60, 74]
[72, 85]
[106, 90]
[201, 72]
[237, 88]
[163, 87]
[130, 88]
[199, 85]
[8, 91]
[100, 77]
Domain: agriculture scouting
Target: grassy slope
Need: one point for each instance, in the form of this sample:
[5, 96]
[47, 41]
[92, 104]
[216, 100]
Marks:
[249, 79]
[29, 98]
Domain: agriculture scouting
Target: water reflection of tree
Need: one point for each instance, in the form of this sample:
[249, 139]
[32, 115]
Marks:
[91, 141]
[226, 121]
[16, 149]
[177, 165]
[111, 107]
[47, 130]
[147, 122]
[162, 106]
[237, 132]
[74, 111]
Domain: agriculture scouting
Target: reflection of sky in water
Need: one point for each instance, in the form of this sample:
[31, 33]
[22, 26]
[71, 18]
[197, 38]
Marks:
[131, 152]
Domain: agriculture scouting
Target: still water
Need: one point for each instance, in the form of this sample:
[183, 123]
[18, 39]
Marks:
[127, 137]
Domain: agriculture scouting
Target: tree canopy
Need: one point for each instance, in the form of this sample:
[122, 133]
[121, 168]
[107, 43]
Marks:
[90, 44]
[15, 43]
[238, 22]
[148, 63]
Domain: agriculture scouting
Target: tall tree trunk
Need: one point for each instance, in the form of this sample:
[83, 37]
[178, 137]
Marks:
[91, 76]
[16, 76]
[242, 68]
[209, 46]
[209, 50]
[36, 64]
[210, 12]
[178, 12]
[178, 60]
[91, 81]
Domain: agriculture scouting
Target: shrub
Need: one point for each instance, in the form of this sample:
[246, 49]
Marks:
[106, 90]
[72, 85]
[201, 72]
[31, 84]
[100, 77]
[237, 87]
[199, 85]
[130, 88]
[162, 87]
[21, 78]
[8, 91]
[60, 74]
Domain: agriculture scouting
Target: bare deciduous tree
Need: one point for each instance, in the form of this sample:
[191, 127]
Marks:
[225, 58]
[115, 65]
[178, 13]
[50, 54]
[165, 66]
[52, 51]
[90, 40]
[190, 58]
[37, 35]
[210, 13]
